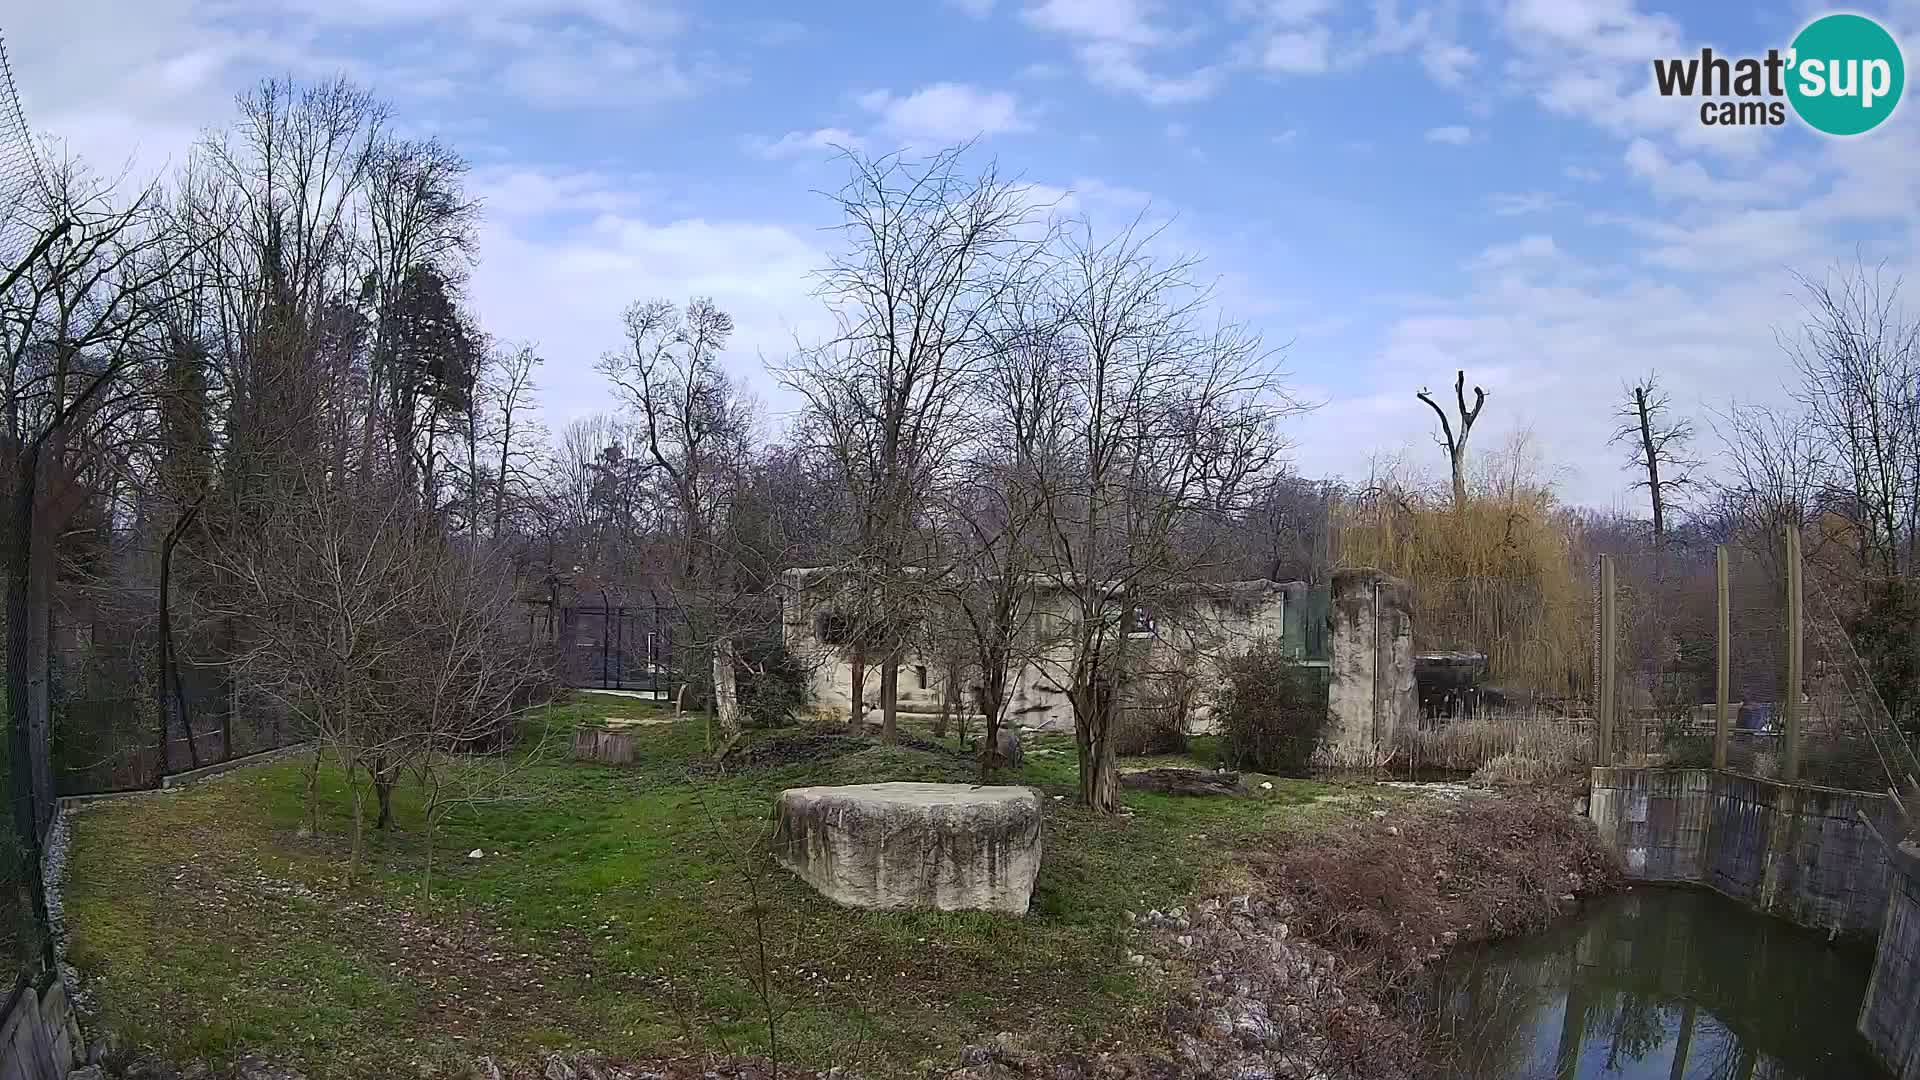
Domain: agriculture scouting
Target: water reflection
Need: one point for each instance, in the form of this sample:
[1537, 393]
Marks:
[1663, 984]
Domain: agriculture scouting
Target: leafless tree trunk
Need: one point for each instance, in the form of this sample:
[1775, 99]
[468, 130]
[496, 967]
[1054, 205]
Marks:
[1456, 446]
[1658, 446]
[930, 255]
[1170, 430]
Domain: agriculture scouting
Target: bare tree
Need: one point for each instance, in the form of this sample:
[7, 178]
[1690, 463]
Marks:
[509, 391]
[1658, 447]
[1858, 355]
[930, 254]
[1169, 430]
[695, 426]
[1456, 445]
[74, 326]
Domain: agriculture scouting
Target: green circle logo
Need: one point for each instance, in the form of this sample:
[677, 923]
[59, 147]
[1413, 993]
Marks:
[1846, 74]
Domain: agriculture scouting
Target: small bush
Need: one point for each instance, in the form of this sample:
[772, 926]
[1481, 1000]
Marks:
[1272, 712]
[775, 683]
[1157, 721]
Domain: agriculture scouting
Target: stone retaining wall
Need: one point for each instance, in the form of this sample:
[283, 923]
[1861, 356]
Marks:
[37, 1035]
[1794, 851]
[1890, 1013]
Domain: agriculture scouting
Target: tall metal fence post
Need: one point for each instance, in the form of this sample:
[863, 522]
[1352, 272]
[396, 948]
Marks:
[1796, 642]
[1609, 632]
[1722, 683]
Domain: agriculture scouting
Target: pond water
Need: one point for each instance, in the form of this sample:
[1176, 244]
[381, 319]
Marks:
[1661, 984]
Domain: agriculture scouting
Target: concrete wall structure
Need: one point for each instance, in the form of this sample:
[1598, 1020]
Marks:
[1890, 1013]
[1370, 689]
[38, 1036]
[1187, 634]
[1794, 851]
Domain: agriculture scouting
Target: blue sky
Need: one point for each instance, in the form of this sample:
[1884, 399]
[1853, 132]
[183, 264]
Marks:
[1390, 189]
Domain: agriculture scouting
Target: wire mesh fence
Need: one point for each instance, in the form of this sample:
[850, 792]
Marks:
[19, 172]
[25, 937]
[1513, 679]
[1800, 702]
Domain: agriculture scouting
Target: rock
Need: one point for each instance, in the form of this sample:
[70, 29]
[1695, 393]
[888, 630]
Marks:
[1183, 782]
[105, 1048]
[150, 1068]
[254, 1068]
[1006, 752]
[558, 1069]
[485, 1069]
[90, 1072]
[949, 847]
[1266, 785]
[476, 853]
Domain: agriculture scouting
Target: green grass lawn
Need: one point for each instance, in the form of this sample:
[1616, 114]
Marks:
[610, 910]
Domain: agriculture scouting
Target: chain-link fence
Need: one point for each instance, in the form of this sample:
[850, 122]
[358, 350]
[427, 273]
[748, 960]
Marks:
[24, 934]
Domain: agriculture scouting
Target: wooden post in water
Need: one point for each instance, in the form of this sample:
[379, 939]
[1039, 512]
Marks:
[1722, 683]
[1796, 642]
[1609, 630]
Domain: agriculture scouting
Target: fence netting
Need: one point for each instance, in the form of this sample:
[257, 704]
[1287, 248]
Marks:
[1509, 672]
[24, 937]
[1666, 673]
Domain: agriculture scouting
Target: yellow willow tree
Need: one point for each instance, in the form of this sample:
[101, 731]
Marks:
[1503, 572]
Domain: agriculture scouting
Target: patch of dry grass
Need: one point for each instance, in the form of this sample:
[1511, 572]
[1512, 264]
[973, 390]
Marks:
[1542, 747]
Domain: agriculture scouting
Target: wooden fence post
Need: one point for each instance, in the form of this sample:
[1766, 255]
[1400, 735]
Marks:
[1609, 630]
[1722, 681]
[1796, 642]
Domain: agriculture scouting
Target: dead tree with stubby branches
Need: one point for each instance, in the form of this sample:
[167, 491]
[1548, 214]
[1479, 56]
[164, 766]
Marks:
[1456, 445]
[1657, 447]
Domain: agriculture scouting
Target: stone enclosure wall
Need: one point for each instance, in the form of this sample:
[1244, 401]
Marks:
[1890, 1013]
[1370, 690]
[1186, 637]
[38, 1036]
[1794, 851]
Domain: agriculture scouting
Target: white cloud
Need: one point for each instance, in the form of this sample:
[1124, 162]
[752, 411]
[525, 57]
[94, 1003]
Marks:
[1297, 52]
[1447, 63]
[1122, 22]
[1604, 29]
[1535, 246]
[1112, 39]
[564, 288]
[519, 191]
[819, 142]
[1518, 203]
[946, 112]
[1583, 173]
[572, 69]
[1452, 135]
[1295, 11]
[1117, 67]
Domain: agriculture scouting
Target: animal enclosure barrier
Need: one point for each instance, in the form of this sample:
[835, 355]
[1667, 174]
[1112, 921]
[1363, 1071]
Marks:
[1739, 657]
[614, 645]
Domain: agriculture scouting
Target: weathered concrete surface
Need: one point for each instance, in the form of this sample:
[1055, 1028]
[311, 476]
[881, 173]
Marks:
[1890, 1012]
[38, 1037]
[950, 847]
[1370, 691]
[1790, 850]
